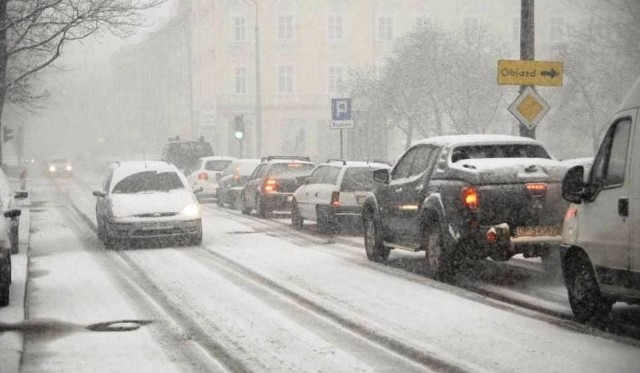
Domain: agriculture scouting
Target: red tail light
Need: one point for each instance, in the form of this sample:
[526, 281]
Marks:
[236, 177]
[536, 190]
[470, 198]
[571, 213]
[335, 199]
[270, 186]
[203, 176]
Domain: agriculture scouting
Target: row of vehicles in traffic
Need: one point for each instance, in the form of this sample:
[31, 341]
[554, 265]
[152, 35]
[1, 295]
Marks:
[453, 197]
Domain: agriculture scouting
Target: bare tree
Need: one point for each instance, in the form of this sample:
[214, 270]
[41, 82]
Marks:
[34, 33]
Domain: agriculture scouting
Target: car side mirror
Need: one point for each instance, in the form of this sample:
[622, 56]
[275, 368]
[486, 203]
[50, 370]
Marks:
[99, 193]
[21, 194]
[381, 176]
[573, 186]
[12, 214]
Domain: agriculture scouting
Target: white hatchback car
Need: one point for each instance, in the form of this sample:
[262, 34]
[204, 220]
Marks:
[205, 175]
[334, 193]
[147, 200]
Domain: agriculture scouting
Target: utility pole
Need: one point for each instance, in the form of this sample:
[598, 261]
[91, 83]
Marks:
[527, 47]
[258, 84]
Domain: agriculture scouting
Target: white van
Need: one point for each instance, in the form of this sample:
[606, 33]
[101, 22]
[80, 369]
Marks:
[601, 231]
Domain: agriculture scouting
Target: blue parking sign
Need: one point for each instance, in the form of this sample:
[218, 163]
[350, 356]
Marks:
[341, 109]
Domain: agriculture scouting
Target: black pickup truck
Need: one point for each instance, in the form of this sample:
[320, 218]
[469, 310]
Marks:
[468, 196]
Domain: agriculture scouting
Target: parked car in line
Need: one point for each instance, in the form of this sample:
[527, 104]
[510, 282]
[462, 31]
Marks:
[271, 185]
[469, 196]
[8, 198]
[232, 181]
[205, 175]
[334, 193]
[600, 249]
[184, 154]
[59, 167]
[147, 200]
[5, 254]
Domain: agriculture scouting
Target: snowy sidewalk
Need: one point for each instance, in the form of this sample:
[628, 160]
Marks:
[11, 342]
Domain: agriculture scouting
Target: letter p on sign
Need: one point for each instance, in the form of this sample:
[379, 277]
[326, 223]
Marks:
[341, 109]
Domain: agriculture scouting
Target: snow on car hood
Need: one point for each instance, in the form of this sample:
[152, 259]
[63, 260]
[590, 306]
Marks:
[151, 202]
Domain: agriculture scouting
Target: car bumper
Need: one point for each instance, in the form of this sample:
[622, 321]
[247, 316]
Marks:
[153, 229]
[497, 240]
[278, 201]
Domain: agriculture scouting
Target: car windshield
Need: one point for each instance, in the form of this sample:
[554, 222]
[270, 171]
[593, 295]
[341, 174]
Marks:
[291, 170]
[148, 181]
[218, 165]
[498, 151]
[358, 179]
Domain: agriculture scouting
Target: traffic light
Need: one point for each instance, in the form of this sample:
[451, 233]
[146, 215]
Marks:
[7, 134]
[238, 123]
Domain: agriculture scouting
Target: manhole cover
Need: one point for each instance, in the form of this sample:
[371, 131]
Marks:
[118, 326]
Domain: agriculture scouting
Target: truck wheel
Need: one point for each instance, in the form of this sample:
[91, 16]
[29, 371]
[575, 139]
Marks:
[587, 303]
[441, 260]
[4, 295]
[243, 206]
[375, 249]
[261, 207]
[296, 220]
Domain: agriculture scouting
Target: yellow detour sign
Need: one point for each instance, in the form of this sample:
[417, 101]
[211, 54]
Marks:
[522, 72]
[529, 108]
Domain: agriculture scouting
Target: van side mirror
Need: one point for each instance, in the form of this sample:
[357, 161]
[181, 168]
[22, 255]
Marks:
[573, 186]
[381, 175]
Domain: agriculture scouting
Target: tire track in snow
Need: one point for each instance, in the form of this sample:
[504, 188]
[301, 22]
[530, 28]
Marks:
[504, 298]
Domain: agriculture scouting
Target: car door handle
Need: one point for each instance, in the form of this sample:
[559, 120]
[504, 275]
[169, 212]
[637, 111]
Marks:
[399, 190]
[419, 188]
[623, 206]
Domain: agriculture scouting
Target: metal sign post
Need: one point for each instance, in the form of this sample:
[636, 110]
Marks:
[341, 118]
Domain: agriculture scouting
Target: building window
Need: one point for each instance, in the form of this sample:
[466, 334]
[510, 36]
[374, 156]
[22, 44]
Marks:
[335, 28]
[385, 28]
[239, 29]
[336, 76]
[515, 29]
[285, 79]
[557, 29]
[241, 80]
[285, 27]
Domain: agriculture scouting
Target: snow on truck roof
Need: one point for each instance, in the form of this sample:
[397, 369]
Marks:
[476, 139]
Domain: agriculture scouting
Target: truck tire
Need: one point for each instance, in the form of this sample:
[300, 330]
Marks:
[4, 295]
[441, 261]
[261, 207]
[375, 249]
[587, 303]
[243, 206]
[297, 221]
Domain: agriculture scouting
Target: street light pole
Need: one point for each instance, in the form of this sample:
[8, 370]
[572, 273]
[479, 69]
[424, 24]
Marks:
[258, 85]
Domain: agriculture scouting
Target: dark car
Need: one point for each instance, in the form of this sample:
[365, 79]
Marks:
[473, 196]
[272, 184]
[232, 181]
[184, 154]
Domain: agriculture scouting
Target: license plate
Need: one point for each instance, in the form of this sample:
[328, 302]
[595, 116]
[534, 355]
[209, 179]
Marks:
[538, 231]
[157, 225]
[360, 199]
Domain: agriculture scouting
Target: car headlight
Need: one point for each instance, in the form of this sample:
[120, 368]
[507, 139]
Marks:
[192, 211]
[52, 168]
[68, 168]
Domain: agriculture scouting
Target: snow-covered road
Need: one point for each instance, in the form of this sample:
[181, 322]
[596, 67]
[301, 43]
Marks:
[259, 296]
